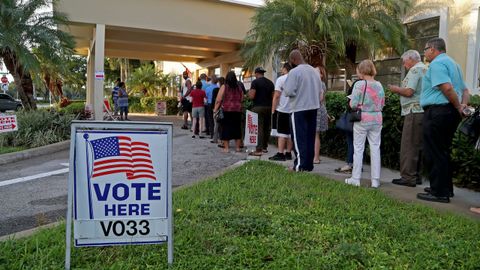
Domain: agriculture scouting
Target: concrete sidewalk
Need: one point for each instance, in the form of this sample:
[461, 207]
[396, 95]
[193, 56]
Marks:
[461, 203]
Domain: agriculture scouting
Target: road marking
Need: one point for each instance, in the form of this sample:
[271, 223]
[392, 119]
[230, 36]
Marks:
[32, 177]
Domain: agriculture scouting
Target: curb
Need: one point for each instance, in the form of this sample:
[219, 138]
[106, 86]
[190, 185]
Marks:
[34, 152]
[29, 232]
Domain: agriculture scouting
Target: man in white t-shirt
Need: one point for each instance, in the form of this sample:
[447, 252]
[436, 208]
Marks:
[281, 118]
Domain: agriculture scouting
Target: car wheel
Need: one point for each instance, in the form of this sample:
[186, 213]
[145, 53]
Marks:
[19, 107]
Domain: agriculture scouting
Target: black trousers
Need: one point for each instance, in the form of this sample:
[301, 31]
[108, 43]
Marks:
[209, 119]
[264, 126]
[303, 128]
[439, 125]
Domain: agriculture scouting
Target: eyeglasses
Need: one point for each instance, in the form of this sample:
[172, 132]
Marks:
[426, 48]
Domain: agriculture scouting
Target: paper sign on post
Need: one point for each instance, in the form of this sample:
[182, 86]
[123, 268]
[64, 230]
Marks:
[99, 75]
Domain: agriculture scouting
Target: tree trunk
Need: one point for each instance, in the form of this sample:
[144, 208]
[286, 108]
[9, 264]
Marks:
[350, 58]
[27, 85]
[23, 81]
[122, 79]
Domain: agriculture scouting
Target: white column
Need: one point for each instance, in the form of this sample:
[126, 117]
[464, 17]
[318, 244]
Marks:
[473, 52]
[99, 75]
[224, 69]
[90, 75]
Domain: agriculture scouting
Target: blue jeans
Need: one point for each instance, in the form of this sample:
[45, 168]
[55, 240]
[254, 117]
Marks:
[349, 136]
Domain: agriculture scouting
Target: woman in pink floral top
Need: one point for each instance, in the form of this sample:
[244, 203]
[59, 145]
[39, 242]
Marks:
[370, 127]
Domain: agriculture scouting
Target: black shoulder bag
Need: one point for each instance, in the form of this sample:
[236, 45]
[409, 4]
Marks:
[356, 114]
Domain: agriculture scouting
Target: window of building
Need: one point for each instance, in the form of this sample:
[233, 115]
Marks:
[419, 32]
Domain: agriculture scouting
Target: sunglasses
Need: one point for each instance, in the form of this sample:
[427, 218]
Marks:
[426, 48]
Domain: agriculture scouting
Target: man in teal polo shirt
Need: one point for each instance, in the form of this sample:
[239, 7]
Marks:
[444, 96]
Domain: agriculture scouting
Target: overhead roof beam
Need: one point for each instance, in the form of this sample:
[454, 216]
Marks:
[170, 41]
[147, 56]
[156, 48]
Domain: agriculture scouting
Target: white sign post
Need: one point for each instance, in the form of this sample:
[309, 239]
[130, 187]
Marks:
[251, 129]
[120, 189]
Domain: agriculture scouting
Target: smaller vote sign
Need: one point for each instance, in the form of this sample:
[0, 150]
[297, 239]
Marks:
[8, 123]
[251, 129]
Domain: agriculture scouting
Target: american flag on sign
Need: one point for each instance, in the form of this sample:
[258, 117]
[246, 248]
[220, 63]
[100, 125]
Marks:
[119, 154]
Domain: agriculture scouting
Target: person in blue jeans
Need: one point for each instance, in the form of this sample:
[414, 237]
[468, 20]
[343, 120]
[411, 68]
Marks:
[347, 168]
[123, 101]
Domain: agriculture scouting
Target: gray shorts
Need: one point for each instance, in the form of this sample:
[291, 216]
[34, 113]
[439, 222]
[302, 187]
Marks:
[198, 112]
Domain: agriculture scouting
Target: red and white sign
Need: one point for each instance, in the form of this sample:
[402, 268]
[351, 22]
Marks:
[251, 129]
[99, 75]
[4, 79]
[8, 123]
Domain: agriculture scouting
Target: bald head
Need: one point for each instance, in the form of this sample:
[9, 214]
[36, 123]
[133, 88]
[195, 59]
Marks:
[296, 57]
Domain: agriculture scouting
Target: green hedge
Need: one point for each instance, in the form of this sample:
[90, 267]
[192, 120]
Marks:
[466, 160]
[74, 108]
[148, 104]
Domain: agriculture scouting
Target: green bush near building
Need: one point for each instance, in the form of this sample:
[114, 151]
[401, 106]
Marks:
[148, 104]
[466, 160]
[75, 108]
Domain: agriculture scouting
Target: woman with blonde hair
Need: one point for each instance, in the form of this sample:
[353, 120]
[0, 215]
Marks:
[369, 97]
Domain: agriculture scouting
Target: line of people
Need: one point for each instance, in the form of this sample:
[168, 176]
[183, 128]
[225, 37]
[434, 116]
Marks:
[433, 100]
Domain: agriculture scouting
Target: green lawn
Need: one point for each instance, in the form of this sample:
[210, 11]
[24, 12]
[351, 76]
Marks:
[10, 149]
[259, 216]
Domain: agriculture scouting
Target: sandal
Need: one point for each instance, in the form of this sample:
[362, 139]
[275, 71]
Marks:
[257, 154]
[316, 161]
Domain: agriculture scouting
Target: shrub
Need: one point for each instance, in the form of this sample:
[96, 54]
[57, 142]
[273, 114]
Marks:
[148, 104]
[38, 128]
[75, 108]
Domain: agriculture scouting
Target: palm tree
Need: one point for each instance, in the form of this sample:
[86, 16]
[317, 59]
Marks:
[321, 28]
[67, 70]
[145, 80]
[28, 33]
[121, 64]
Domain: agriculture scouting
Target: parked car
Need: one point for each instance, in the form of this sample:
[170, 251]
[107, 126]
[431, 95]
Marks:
[8, 103]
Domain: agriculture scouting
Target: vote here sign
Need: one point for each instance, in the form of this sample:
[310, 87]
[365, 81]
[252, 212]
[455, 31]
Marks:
[120, 187]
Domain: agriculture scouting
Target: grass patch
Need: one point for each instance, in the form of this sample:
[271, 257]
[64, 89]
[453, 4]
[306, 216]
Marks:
[10, 149]
[259, 216]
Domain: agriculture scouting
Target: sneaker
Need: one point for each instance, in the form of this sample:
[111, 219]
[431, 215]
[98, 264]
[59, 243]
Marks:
[278, 157]
[375, 183]
[353, 182]
[345, 169]
[184, 127]
[288, 155]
